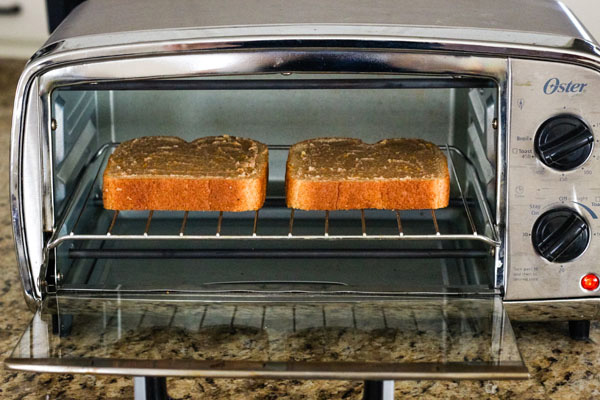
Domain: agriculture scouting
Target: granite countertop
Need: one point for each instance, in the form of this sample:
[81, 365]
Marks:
[559, 367]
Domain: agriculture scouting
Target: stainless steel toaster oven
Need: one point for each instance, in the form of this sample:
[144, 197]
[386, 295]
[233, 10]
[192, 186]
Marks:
[508, 90]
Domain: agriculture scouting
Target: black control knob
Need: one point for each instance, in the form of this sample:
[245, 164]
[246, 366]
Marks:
[564, 142]
[560, 235]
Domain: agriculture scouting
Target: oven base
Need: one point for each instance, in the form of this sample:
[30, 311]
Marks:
[155, 388]
[150, 388]
[378, 390]
[579, 330]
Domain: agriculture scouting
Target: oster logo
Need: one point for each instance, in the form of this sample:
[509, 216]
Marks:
[554, 85]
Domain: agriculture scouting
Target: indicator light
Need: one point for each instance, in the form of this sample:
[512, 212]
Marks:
[590, 282]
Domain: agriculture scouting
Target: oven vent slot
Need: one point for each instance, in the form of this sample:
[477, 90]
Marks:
[128, 253]
[316, 234]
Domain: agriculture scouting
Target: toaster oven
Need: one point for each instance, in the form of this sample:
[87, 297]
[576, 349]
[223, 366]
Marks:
[375, 295]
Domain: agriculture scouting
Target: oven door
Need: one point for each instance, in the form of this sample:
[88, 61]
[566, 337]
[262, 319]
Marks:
[336, 337]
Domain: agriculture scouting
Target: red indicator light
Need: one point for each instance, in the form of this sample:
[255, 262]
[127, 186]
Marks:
[590, 282]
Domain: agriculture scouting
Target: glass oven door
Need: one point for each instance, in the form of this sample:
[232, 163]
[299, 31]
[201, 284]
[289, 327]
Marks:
[307, 337]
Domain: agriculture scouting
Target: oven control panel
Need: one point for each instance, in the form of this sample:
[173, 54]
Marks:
[553, 184]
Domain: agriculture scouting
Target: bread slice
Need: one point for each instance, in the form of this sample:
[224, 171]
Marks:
[343, 174]
[217, 173]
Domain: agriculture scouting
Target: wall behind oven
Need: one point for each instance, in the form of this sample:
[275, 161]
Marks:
[588, 12]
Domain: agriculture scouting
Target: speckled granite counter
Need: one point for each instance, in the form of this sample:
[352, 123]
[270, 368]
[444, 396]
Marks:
[559, 367]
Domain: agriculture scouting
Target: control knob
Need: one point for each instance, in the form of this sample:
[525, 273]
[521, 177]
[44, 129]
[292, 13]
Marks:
[560, 235]
[563, 142]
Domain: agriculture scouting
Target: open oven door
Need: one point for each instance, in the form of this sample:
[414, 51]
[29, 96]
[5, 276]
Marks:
[372, 339]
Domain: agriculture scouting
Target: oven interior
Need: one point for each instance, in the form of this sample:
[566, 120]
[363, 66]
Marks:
[277, 249]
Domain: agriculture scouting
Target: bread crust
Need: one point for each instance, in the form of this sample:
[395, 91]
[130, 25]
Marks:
[147, 192]
[348, 194]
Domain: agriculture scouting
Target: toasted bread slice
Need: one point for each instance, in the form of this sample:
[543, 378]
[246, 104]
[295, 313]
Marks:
[216, 173]
[343, 174]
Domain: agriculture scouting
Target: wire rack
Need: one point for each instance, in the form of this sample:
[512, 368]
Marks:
[473, 209]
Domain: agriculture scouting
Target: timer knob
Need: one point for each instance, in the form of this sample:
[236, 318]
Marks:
[564, 142]
[560, 235]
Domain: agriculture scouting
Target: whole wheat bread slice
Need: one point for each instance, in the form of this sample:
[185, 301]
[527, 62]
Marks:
[217, 173]
[343, 174]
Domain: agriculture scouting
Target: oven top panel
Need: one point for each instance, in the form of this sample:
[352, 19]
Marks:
[154, 20]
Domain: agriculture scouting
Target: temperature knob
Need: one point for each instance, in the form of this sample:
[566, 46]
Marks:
[560, 235]
[564, 142]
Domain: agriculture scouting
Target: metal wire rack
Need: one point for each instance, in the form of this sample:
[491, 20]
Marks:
[86, 197]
